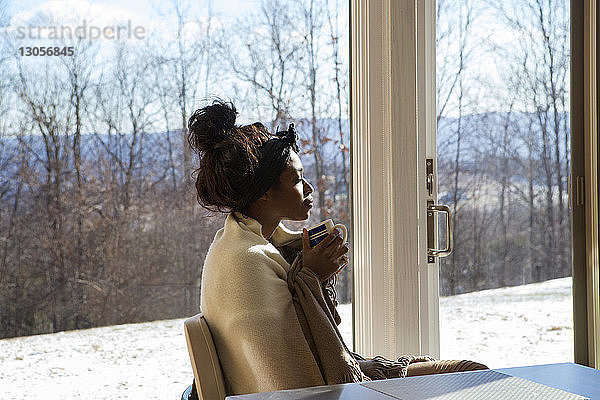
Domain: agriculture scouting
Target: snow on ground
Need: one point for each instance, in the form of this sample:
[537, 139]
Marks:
[523, 325]
[133, 361]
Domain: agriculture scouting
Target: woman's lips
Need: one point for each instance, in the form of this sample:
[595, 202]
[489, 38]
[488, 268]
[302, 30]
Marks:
[308, 203]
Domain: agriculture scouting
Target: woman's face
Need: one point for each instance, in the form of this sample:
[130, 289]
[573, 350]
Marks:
[291, 198]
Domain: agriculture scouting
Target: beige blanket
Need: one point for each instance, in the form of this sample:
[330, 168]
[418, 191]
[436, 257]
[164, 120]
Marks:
[274, 326]
[319, 319]
[315, 306]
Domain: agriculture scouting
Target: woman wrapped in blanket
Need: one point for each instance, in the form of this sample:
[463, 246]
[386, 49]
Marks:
[267, 296]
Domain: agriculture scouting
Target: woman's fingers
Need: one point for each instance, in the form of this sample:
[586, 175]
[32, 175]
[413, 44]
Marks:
[343, 262]
[305, 239]
[327, 241]
[334, 247]
[327, 257]
[337, 239]
[340, 251]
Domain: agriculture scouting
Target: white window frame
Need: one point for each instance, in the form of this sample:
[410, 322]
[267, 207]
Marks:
[395, 301]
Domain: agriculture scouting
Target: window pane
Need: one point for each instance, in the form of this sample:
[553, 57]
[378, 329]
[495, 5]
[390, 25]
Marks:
[99, 224]
[503, 164]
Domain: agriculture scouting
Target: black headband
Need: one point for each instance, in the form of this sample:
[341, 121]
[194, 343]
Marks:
[274, 156]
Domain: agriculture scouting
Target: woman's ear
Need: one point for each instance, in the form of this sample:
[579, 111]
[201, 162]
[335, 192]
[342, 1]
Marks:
[267, 196]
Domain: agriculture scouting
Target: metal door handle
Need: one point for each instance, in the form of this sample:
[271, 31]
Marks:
[432, 251]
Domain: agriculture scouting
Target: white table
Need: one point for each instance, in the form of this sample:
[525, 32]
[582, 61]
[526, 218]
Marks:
[569, 377]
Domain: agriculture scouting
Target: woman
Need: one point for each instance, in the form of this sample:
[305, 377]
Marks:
[266, 294]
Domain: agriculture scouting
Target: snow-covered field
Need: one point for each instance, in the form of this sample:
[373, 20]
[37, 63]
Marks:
[523, 325]
[529, 324]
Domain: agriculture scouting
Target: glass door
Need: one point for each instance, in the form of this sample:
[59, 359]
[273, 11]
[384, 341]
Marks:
[503, 140]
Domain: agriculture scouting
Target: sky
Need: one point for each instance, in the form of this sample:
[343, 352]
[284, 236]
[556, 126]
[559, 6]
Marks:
[146, 14]
[152, 17]
[33, 21]
[139, 7]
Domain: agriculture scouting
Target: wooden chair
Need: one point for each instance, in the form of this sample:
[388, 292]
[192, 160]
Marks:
[205, 362]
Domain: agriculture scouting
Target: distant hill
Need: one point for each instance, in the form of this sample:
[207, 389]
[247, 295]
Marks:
[483, 131]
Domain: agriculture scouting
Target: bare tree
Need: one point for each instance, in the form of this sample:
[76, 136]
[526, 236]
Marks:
[311, 13]
[92, 228]
[262, 52]
[450, 74]
[452, 51]
[543, 88]
[340, 81]
[43, 95]
[187, 61]
[517, 153]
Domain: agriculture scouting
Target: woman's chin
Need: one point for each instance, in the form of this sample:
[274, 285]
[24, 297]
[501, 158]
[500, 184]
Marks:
[307, 214]
[308, 209]
[303, 217]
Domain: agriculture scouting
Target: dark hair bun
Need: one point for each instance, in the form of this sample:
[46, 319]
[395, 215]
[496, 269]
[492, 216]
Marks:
[228, 154]
[211, 125]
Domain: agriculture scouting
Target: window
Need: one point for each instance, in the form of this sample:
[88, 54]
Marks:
[503, 167]
[98, 220]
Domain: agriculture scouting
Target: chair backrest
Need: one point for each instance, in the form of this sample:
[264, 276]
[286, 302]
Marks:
[205, 362]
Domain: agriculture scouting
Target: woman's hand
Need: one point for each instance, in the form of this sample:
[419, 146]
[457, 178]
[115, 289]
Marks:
[327, 257]
[381, 368]
[374, 368]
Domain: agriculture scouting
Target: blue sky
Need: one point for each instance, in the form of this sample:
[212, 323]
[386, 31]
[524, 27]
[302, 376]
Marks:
[155, 16]
[138, 6]
[145, 13]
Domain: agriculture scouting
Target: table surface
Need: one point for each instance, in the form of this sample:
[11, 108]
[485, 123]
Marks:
[570, 377]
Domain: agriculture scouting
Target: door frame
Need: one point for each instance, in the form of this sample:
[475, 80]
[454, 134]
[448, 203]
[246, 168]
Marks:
[584, 197]
[392, 112]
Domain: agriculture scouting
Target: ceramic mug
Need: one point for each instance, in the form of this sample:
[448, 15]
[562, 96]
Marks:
[320, 231]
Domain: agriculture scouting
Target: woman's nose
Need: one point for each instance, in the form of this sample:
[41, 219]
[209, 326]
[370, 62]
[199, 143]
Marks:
[308, 187]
